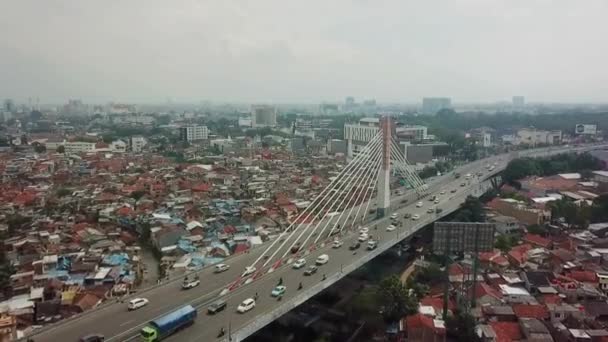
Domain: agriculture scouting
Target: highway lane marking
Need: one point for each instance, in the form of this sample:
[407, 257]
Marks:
[126, 323]
[284, 270]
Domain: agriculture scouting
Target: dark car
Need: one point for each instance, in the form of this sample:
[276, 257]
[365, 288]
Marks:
[354, 246]
[93, 338]
[310, 270]
[296, 248]
[453, 190]
[216, 306]
[407, 215]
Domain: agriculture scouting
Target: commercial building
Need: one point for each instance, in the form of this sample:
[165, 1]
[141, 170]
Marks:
[263, 116]
[432, 105]
[194, 133]
[423, 153]
[533, 137]
[137, 143]
[519, 101]
[412, 133]
[79, 147]
[359, 134]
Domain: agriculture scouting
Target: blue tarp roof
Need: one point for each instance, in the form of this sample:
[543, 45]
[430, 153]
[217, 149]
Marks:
[116, 259]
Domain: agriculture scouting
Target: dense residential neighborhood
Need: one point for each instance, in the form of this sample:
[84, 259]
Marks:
[95, 211]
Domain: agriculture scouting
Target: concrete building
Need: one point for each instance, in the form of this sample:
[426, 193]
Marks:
[263, 116]
[137, 143]
[244, 122]
[79, 147]
[303, 124]
[432, 105]
[411, 133]
[600, 176]
[194, 133]
[359, 134]
[118, 146]
[337, 146]
[423, 153]
[533, 137]
[484, 135]
[519, 101]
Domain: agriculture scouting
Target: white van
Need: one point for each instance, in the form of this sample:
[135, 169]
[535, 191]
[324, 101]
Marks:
[137, 303]
[322, 259]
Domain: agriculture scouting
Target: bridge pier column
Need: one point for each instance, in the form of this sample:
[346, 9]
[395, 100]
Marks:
[384, 189]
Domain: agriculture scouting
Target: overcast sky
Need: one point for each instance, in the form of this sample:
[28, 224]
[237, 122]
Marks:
[304, 50]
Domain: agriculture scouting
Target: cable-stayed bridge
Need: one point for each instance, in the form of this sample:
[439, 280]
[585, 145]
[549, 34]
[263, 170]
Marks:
[358, 197]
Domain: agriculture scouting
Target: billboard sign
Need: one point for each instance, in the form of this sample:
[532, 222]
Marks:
[463, 237]
[585, 129]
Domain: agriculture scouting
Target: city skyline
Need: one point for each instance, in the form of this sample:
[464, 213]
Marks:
[145, 52]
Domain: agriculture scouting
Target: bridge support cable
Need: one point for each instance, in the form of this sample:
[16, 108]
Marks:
[345, 183]
[360, 173]
[408, 172]
[409, 176]
[306, 213]
[367, 173]
[370, 178]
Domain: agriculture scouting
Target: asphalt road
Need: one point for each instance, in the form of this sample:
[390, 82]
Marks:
[117, 324]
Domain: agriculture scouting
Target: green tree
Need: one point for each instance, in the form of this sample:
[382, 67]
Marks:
[461, 327]
[430, 275]
[396, 299]
[60, 149]
[518, 169]
[504, 243]
[136, 195]
[62, 192]
[39, 148]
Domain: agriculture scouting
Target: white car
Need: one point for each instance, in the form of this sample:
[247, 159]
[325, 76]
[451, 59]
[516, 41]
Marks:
[248, 270]
[415, 217]
[246, 305]
[363, 237]
[437, 201]
[137, 303]
[442, 192]
[336, 244]
[394, 217]
[299, 263]
[221, 268]
[364, 230]
[390, 228]
[322, 259]
[190, 283]
[419, 205]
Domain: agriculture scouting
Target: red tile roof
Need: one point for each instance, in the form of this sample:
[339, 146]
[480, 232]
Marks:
[583, 276]
[437, 303]
[418, 321]
[537, 240]
[531, 311]
[203, 187]
[483, 289]
[506, 331]
[124, 211]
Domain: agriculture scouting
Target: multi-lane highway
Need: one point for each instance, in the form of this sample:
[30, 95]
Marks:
[118, 324]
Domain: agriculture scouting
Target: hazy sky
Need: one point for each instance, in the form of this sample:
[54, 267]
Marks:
[303, 51]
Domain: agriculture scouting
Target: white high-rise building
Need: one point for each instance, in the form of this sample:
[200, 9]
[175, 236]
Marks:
[359, 134]
[194, 133]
